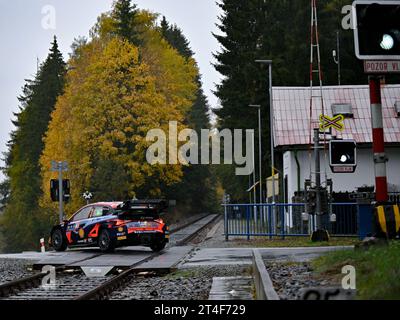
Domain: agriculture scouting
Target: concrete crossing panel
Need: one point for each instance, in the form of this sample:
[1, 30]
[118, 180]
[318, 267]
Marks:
[168, 260]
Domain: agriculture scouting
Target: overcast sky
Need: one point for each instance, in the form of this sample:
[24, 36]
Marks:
[23, 39]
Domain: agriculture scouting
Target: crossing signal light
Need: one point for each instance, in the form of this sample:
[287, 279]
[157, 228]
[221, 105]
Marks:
[311, 201]
[66, 190]
[343, 156]
[55, 190]
[377, 30]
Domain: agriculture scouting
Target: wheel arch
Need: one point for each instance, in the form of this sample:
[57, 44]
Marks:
[58, 227]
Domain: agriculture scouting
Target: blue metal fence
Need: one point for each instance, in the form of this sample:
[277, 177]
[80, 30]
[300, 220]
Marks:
[287, 220]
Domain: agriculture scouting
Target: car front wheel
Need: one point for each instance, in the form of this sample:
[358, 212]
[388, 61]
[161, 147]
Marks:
[106, 243]
[58, 240]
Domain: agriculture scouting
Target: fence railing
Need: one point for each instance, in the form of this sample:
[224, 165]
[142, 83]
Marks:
[287, 220]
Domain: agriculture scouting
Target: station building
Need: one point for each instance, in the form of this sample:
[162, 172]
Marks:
[292, 130]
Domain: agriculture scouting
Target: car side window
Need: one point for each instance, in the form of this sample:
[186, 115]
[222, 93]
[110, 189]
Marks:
[97, 212]
[106, 211]
[83, 214]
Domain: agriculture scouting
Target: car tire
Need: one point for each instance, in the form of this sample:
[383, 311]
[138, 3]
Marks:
[158, 246]
[106, 243]
[58, 240]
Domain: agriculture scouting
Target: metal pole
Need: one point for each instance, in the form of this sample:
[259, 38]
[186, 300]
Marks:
[338, 49]
[60, 192]
[250, 187]
[262, 209]
[259, 150]
[260, 154]
[317, 179]
[380, 158]
[254, 178]
[271, 112]
[226, 219]
[272, 133]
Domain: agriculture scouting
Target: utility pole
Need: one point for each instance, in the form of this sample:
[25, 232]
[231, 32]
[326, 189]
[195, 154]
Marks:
[272, 141]
[259, 151]
[254, 178]
[271, 120]
[60, 167]
[271, 112]
[317, 159]
[336, 57]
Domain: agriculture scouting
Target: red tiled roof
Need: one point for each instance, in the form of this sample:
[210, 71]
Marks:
[292, 113]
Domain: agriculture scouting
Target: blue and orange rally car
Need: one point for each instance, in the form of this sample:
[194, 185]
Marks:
[109, 225]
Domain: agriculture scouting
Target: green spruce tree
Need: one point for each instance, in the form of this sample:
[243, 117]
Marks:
[175, 38]
[198, 187]
[244, 82]
[124, 13]
[21, 224]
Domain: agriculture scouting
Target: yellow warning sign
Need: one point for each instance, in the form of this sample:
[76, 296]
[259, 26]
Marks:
[327, 122]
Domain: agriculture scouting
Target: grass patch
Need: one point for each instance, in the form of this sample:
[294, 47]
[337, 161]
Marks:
[378, 270]
[295, 242]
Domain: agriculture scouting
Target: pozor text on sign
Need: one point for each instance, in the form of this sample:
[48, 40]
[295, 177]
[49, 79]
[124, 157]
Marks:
[381, 67]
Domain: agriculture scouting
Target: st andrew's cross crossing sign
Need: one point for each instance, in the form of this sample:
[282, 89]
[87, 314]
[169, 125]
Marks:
[327, 122]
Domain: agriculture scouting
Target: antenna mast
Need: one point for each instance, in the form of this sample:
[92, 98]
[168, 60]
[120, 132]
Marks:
[314, 130]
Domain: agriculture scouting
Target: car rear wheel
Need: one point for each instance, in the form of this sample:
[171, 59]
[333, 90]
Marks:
[106, 243]
[58, 240]
[158, 246]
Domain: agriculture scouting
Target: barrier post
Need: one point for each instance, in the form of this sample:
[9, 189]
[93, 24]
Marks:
[380, 159]
[248, 222]
[42, 246]
[226, 223]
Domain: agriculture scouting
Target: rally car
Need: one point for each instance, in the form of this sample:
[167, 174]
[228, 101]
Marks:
[109, 225]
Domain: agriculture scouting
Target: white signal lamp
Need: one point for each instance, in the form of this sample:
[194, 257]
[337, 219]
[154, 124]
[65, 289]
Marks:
[387, 42]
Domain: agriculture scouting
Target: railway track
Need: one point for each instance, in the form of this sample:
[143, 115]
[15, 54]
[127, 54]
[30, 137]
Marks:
[74, 285]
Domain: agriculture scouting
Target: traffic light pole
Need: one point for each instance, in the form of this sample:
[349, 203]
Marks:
[380, 158]
[60, 166]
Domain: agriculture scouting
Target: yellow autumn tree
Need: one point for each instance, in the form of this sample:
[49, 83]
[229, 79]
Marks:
[115, 93]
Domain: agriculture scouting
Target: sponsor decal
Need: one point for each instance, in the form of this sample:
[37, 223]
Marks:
[81, 233]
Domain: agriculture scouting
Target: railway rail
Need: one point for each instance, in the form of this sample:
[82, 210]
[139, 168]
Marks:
[72, 284]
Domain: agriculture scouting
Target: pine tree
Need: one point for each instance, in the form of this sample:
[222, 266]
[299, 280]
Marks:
[244, 82]
[21, 224]
[198, 187]
[124, 13]
[4, 193]
[175, 38]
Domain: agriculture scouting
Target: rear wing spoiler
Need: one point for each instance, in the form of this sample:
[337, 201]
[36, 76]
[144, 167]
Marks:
[157, 205]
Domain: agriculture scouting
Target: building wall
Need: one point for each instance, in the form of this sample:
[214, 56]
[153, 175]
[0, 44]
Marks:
[364, 174]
